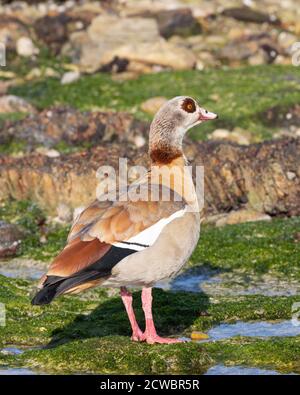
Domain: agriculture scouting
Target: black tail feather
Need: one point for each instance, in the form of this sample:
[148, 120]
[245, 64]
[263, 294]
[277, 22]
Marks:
[44, 296]
[55, 285]
[48, 292]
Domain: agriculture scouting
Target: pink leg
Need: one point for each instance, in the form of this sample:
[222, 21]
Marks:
[150, 332]
[137, 334]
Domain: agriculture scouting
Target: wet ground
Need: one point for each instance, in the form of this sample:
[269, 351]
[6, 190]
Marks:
[258, 329]
[239, 371]
[16, 371]
[215, 370]
[232, 283]
[200, 280]
[23, 268]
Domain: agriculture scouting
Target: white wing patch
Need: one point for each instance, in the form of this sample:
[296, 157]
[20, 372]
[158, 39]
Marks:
[148, 236]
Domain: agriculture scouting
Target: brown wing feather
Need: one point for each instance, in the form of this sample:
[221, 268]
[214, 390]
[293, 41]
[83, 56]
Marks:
[76, 256]
[102, 224]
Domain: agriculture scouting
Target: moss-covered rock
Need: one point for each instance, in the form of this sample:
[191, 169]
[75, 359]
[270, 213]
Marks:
[91, 334]
[42, 240]
[119, 355]
[257, 247]
[281, 354]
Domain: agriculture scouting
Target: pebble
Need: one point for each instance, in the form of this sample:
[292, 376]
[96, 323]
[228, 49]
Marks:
[11, 103]
[64, 212]
[69, 77]
[151, 106]
[51, 153]
[199, 336]
[241, 216]
[26, 48]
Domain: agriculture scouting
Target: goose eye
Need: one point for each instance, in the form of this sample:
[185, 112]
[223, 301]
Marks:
[189, 105]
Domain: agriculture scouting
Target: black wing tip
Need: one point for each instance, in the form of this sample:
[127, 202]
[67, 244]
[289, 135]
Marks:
[44, 296]
[48, 292]
[56, 285]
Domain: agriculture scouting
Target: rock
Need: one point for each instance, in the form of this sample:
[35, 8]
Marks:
[238, 136]
[41, 72]
[7, 74]
[291, 175]
[5, 85]
[278, 117]
[69, 77]
[11, 29]
[179, 22]
[257, 58]
[160, 53]
[256, 48]
[286, 40]
[64, 213]
[151, 106]
[52, 30]
[219, 134]
[10, 239]
[65, 124]
[25, 47]
[270, 50]
[238, 51]
[11, 103]
[134, 39]
[235, 175]
[247, 14]
[51, 153]
[139, 141]
[241, 216]
[117, 65]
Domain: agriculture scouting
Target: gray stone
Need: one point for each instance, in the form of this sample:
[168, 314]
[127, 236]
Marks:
[135, 39]
[179, 21]
[10, 239]
[11, 103]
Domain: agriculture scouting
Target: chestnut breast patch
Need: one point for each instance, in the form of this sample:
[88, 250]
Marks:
[189, 105]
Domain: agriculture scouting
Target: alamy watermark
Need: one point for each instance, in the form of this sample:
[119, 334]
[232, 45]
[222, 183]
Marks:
[2, 55]
[163, 183]
[295, 49]
[2, 314]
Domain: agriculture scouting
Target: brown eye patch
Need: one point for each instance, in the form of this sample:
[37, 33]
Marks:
[189, 105]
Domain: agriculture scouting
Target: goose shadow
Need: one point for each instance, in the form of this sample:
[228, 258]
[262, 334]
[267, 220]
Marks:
[174, 312]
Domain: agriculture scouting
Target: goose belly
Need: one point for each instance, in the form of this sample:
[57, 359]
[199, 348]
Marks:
[162, 260]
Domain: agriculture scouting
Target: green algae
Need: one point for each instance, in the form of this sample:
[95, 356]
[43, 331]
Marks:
[91, 334]
[240, 96]
[277, 353]
[119, 355]
[33, 222]
[257, 247]
[21, 65]
[111, 355]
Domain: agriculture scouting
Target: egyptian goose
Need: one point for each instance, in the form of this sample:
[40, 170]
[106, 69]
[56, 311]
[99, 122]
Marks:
[137, 242]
